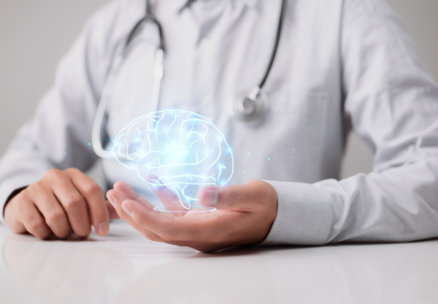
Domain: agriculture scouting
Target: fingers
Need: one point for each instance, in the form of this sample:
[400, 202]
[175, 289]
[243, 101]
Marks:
[142, 218]
[54, 215]
[12, 215]
[169, 199]
[35, 223]
[166, 226]
[129, 215]
[112, 211]
[125, 192]
[93, 195]
[74, 205]
[205, 232]
[62, 202]
[116, 197]
[123, 198]
[244, 216]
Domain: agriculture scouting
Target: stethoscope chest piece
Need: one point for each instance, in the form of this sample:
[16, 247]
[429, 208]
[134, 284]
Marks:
[252, 107]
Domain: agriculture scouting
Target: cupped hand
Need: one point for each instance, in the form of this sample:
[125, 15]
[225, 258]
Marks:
[244, 216]
[61, 203]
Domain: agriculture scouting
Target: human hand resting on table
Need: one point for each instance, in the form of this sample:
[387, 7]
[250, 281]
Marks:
[244, 216]
[61, 203]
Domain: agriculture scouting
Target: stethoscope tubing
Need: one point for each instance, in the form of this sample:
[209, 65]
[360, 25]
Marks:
[255, 95]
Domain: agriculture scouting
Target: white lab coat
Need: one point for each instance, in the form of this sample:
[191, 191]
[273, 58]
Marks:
[341, 65]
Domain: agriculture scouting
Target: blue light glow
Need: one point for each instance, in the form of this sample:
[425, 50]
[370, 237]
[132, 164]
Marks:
[185, 150]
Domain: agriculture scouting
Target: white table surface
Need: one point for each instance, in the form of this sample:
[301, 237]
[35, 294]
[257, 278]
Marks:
[124, 267]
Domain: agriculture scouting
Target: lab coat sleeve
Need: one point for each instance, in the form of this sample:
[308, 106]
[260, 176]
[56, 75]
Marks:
[58, 136]
[392, 103]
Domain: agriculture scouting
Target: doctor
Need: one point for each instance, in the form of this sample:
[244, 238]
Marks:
[284, 80]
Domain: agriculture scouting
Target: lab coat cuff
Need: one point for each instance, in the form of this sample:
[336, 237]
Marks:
[9, 186]
[304, 215]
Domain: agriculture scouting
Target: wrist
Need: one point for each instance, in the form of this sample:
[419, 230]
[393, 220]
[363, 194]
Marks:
[269, 206]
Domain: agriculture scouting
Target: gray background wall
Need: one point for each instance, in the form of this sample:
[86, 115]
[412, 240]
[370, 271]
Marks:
[35, 34]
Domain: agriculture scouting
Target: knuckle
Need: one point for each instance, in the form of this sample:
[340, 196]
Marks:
[83, 231]
[36, 225]
[43, 234]
[15, 205]
[55, 217]
[73, 171]
[62, 233]
[15, 229]
[35, 188]
[53, 174]
[74, 202]
[14, 223]
[93, 189]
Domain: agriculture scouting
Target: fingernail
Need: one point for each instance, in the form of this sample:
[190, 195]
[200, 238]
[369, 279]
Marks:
[111, 200]
[128, 209]
[128, 187]
[102, 228]
[210, 196]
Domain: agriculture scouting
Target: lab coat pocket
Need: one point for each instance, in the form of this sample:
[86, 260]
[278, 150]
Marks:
[299, 107]
[300, 118]
[300, 134]
[288, 144]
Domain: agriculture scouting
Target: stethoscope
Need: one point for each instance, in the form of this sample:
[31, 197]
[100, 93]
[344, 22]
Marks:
[250, 108]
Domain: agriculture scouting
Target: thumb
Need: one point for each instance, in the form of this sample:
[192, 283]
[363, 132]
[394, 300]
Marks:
[223, 197]
[209, 196]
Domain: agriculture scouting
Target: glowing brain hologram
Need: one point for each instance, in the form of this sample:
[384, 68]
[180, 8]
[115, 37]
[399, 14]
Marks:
[183, 149]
